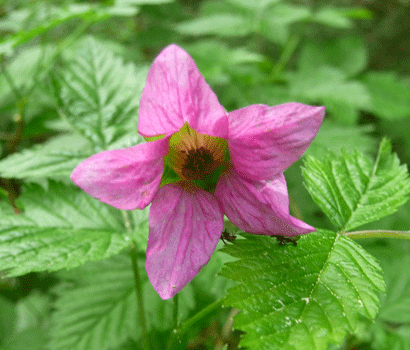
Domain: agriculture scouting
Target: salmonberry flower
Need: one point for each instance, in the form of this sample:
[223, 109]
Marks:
[200, 164]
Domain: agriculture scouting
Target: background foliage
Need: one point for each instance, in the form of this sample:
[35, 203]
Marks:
[71, 76]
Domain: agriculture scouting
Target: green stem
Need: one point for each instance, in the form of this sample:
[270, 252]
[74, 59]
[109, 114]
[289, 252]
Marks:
[138, 285]
[287, 53]
[140, 301]
[378, 234]
[175, 299]
[177, 333]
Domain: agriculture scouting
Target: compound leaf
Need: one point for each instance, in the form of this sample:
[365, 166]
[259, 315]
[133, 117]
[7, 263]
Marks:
[99, 94]
[352, 190]
[54, 159]
[301, 297]
[99, 311]
[62, 227]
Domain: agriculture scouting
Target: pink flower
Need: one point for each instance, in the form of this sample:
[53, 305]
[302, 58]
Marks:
[204, 163]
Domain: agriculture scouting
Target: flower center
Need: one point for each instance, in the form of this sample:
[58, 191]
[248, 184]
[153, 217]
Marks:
[198, 163]
[196, 157]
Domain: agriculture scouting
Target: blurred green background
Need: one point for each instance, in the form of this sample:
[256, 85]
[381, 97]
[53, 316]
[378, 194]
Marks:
[353, 57]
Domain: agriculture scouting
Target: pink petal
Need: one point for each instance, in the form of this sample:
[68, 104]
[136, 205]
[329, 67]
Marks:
[264, 141]
[175, 93]
[184, 229]
[125, 178]
[258, 207]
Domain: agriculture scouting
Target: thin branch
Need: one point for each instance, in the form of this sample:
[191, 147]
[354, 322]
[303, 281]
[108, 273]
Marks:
[177, 333]
[378, 234]
[138, 285]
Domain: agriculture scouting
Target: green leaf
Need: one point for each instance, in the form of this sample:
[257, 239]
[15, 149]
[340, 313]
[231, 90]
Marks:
[32, 311]
[30, 328]
[217, 289]
[128, 345]
[33, 338]
[394, 258]
[331, 87]
[396, 305]
[359, 13]
[352, 190]
[7, 318]
[97, 308]
[55, 159]
[333, 17]
[26, 68]
[274, 22]
[304, 296]
[99, 94]
[142, 2]
[99, 311]
[347, 53]
[62, 227]
[229, 25]
[390, 96]
[390, 338]
[216, 60]
[332, 137]
[328, 83]
[59, 16]
[255, 5]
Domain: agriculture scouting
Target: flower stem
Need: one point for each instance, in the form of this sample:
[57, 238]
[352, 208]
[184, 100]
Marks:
[378, 234]
[138, 285]
[175, 299]
[177, 333]
[140, 301]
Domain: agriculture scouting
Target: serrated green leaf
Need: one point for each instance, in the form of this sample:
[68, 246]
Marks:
[62, 227]
[99, 311]
[390, 96]
[352, 190]
[27, 66]
[59, 16]
[99, 94]
[54, 159]
[304, 296]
